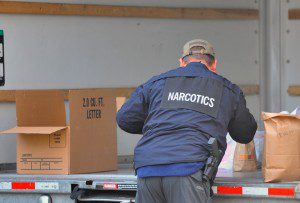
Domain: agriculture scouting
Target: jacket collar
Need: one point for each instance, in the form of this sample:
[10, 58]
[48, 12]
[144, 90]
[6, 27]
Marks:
[191, 70]
[196, 65]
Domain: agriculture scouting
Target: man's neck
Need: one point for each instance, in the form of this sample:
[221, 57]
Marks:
[204, 63]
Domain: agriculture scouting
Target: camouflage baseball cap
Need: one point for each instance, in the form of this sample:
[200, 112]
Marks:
[207, 48]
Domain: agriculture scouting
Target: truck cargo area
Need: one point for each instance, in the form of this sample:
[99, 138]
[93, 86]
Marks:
[67, 67]
[120, 186]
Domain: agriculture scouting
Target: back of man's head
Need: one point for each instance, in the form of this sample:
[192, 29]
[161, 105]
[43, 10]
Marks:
[199, 50]
[195, 56]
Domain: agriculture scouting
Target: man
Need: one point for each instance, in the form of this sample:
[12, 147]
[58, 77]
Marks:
[177, 112]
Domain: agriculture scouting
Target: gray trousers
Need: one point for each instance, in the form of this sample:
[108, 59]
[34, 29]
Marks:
[179, 189]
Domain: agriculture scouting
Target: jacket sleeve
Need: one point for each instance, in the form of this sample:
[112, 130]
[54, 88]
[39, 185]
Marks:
[242, 126]
[133, 113]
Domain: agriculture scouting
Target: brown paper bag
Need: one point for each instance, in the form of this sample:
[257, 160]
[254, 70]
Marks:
[244, 157]
[281, 157]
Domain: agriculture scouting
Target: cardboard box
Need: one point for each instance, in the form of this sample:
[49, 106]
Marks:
[46, 144]
[120, 101]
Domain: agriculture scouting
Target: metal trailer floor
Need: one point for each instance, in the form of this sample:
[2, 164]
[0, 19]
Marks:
[229, 186]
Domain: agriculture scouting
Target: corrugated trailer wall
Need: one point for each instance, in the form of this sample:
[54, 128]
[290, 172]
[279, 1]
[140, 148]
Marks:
[59, 52]
[291, 66]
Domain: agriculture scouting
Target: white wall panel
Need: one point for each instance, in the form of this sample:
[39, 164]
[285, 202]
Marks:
[292, 59]
[7, 142]
[73, 52]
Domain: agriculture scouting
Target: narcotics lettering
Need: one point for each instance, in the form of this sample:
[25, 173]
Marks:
[199, 94]
[194, 98]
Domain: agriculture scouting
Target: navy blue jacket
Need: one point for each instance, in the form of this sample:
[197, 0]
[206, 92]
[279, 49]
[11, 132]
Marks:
[178, 111]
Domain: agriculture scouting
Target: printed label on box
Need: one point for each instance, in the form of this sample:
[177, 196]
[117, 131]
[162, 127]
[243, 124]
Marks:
[35, 163]
[57, 139]
[93, 107]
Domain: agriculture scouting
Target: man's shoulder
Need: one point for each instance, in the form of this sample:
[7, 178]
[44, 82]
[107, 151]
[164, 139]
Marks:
[230, 85]
[163, 75]
[180, 70]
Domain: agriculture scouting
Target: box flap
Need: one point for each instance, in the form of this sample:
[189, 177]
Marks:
[267, 115]
[32, 130]
[40, 108]
[43, 154]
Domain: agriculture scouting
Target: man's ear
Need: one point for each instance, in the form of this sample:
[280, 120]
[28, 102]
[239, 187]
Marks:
[214, 66]
[181, 62]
